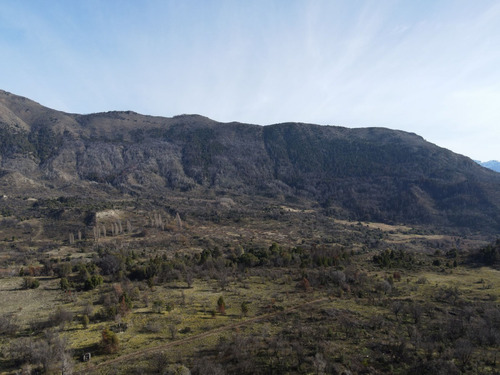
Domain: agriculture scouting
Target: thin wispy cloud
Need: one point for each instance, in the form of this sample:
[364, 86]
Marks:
[429, 67]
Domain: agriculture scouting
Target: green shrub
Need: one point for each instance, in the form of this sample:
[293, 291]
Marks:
[109, 342]
[30, 283]
[93, 282]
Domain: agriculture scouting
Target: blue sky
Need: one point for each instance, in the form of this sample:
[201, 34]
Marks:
[428, 67]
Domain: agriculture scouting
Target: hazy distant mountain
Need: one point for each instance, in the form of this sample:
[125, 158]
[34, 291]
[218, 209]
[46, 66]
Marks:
[371, 173]
[492, 164]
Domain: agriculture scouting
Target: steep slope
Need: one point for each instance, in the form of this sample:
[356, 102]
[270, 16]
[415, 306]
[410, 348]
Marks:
[371, 174]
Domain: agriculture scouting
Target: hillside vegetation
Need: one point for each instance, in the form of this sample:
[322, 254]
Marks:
[132, 244]
[371, 174]
[231, 287]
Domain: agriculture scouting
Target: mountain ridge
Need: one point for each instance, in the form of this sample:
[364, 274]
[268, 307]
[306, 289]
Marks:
[363, 173]
[494, 165]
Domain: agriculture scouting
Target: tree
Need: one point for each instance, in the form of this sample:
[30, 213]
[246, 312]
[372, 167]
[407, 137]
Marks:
[85, 321]
[176, 369]
[173, 330]
[205, 367]
[179, 221]
[305, 285]
[159, 362]
[319, 363]
[384, 286]
[244, 308]
[397, 308]
[189, 279]
[416, 311]
[158, 306]
[30, 283]
[125, 304]
[110, 264]
[64, 269]
[93, 282]
[60, 317]
[64, 284]
[221, 306]
[109, 342]
[7, 325]
[463, 352]
[50, 353]
[96, 232]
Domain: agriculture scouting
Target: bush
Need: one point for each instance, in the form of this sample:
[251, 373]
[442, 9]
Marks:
[7, 325]
[60, 317]
[30, 283]
[93, 282]
[109, 343]
[158, 306]
[85, 321]
[221, 305]
[244, 308]
[64, 284]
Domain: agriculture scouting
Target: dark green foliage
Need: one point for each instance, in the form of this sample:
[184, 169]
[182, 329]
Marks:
[489, 255]
[158, 306]
[85, 321]
[137, 135]
[221, 305]
[12, 142]
[365, 174]
[278, 256]
[248, 260]
[64, 284]
[244, 308]
[30, 283]
[199, 155]
[260, 184]
[93, 282]
[391, 258]
[41, 141]
[109, 341]
[45, 141]
[63, 269]
[126, 300]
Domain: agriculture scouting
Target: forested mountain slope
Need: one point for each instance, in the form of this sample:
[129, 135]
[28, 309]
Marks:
[366, 174]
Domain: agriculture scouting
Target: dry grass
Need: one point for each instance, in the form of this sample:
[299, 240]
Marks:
[30, 305]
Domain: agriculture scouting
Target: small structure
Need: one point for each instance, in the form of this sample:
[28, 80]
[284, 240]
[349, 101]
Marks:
[86, 357]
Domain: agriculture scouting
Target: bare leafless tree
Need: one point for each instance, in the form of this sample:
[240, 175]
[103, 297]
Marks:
[173, 330]
[96, 233]
[178, 221]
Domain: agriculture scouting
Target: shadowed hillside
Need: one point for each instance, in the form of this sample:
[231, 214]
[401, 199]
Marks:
[363, 174]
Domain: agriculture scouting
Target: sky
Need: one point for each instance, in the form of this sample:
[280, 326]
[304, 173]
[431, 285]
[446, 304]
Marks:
[430, 67]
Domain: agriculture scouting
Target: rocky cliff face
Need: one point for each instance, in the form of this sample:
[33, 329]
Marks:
[372, 174]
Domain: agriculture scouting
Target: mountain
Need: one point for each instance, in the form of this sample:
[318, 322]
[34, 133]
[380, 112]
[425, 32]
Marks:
[492, 164]
[363, 174]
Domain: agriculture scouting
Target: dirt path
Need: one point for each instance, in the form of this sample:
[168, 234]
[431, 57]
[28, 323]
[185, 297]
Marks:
[143, 352]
